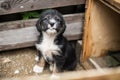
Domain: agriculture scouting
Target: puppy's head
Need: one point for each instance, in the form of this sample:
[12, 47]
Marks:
[51, 22]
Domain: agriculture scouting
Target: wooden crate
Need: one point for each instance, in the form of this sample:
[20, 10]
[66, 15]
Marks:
[101, 31]
[92, 68]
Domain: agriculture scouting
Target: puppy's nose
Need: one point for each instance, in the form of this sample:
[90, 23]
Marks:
[52, 24]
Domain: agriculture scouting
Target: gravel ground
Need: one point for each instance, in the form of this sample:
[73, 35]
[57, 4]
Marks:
[19, 62]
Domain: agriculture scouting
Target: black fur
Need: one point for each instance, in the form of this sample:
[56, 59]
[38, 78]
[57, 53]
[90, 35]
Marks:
[67, 58]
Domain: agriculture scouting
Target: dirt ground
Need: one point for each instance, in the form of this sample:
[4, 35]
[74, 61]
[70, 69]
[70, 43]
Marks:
[20, 62]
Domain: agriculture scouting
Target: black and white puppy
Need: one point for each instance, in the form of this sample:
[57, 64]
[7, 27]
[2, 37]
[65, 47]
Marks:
[53, 47]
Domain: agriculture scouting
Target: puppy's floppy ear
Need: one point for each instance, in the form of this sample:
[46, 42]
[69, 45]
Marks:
[63, 28]
[38, 25]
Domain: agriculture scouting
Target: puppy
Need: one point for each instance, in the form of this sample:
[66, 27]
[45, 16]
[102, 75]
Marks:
[53, 47]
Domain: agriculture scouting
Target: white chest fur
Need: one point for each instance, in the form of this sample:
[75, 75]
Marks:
[47, 46]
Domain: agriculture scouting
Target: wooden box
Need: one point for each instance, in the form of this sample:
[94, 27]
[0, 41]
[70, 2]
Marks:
[102, 28]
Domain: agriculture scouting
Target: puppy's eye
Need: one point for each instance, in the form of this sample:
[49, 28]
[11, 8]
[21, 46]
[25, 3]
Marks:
[56, 18]
[45, 18]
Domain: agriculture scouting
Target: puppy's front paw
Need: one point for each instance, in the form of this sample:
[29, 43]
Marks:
[38, 69]
[37, 46]
[54, 77]
[51, 68]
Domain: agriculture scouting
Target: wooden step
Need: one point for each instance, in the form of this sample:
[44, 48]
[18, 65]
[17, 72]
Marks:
[20, 34]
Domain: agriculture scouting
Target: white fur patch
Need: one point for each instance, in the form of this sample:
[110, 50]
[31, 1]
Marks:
[51, 32]
[47, 47]
[54, 77]
[51, 68]
[52, 21]
[55, 24]
[38, 69]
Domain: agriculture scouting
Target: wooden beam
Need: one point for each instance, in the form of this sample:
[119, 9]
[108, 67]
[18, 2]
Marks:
[78, 50]
[15, 37]
[87, 65]
[100, 61]
[15, 6]
[109, 74]
[31, 22]
[113, 4]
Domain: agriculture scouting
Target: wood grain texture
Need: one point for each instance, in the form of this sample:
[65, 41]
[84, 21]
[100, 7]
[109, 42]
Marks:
[87, 65]
[113, 4]
[31, 22]
[101, 61]
[86, 54]
[14, 6]
[20, 37]
[78, 50]
[109, 74]
[101, 30]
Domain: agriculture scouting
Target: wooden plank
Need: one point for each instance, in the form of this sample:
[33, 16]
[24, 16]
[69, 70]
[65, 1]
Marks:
[105, 61]
[31, 22]
[78, 50]
[25, 37]
[113, 4]
[91, 63]
[101, 61]
[87, 65]
[15, 6]
[109, 74]
[96, 63]
[85, 53]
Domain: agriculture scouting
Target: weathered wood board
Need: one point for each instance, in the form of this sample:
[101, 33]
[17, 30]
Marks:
[14, 36]
[31, 22]
[14, 6]
[90, 63]
[108, 74]
[113, 4]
